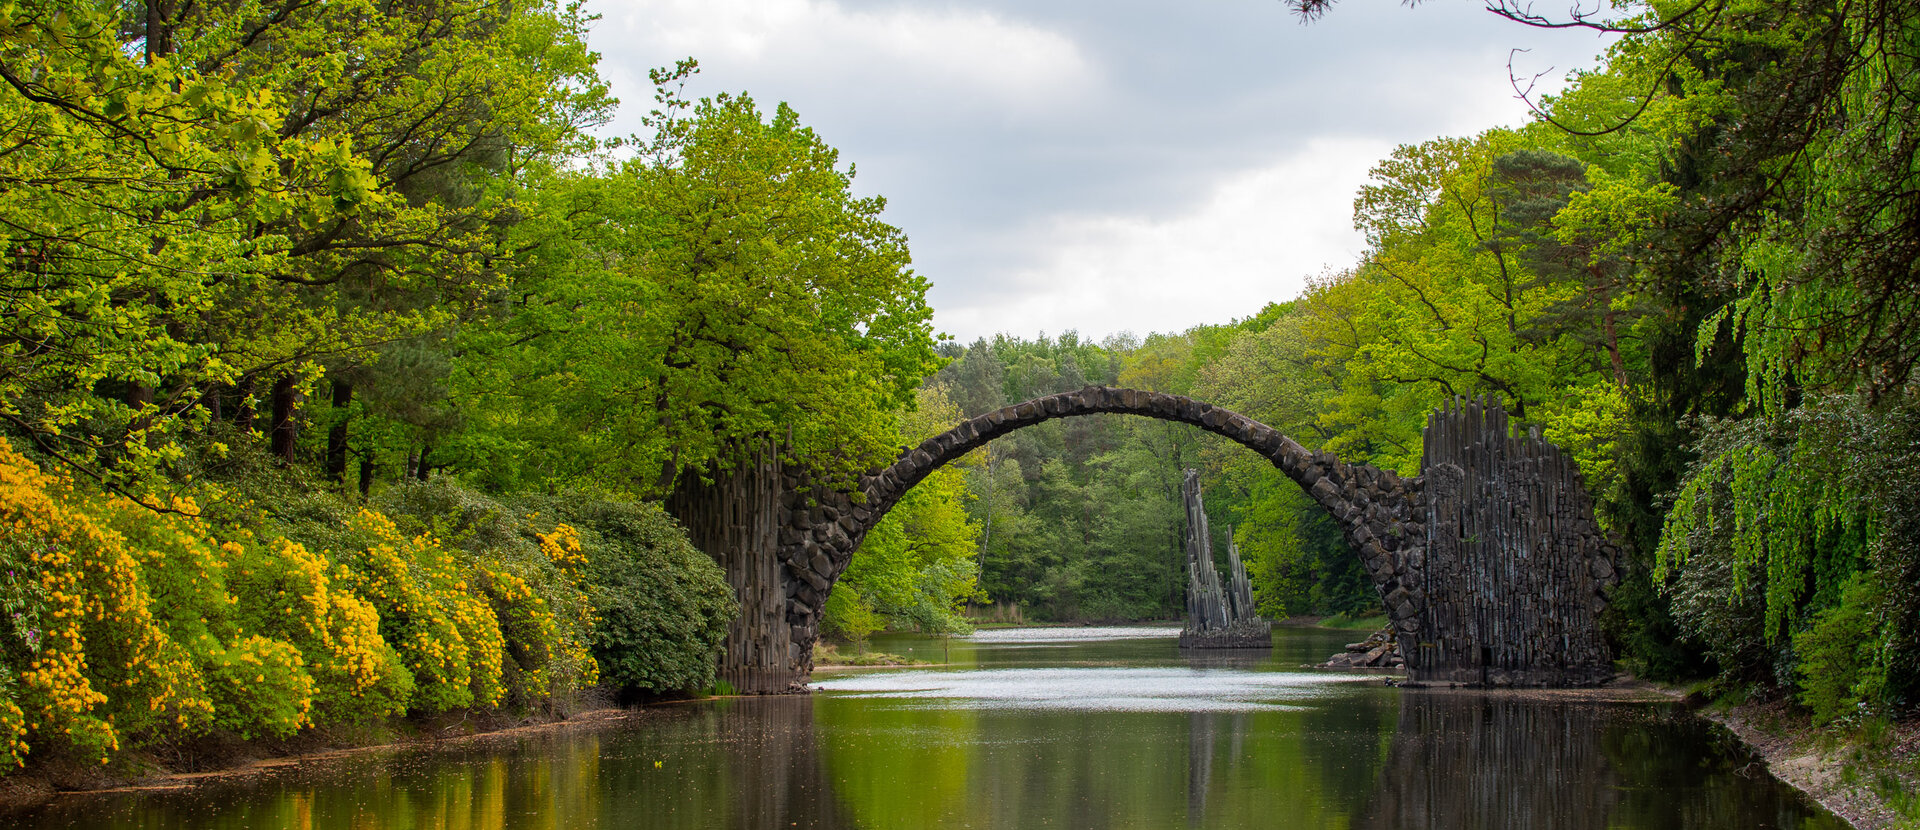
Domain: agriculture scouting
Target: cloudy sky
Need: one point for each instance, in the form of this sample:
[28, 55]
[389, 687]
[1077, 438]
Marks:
[1103, 166]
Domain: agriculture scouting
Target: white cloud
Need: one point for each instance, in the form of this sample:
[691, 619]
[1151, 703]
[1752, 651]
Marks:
[1256, 239]
[1100, 164]
[971, 57]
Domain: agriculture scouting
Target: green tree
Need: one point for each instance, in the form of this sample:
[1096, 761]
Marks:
[723, 287]
[267, 190]
[919, 564]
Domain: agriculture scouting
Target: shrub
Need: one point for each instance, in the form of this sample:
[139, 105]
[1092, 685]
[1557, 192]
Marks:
[445, 633]
[1838, 654]
[849, 617]
[290, 592]
[531, 574]
[663, 606]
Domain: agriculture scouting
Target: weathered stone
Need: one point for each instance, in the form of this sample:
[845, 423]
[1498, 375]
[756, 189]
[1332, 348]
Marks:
[1399, 527]
[1325, 490]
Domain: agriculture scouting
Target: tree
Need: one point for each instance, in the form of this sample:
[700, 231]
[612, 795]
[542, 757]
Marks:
[214, 199]
[725, 287]
[918, 564]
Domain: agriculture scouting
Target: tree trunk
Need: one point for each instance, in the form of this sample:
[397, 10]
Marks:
[420, 471]
[366, 473]
[283, 430]
[337, 433]
[159, 41]
[1603, 296]
[243, 410]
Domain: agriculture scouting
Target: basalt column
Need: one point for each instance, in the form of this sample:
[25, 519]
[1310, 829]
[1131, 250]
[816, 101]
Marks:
[1218, 615]
[1516, 570]
[736, 520]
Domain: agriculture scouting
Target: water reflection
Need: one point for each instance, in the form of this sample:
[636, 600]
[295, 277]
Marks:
[1132, 735]
[1484, 761]
[1476, 761]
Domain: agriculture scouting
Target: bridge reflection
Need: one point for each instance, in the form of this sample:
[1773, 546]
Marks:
[1363, 757]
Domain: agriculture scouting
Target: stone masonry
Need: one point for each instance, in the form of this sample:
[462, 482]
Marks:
[1535, 626]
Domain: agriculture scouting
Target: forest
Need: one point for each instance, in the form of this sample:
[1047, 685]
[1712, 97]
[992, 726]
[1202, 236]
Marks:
[344, 367]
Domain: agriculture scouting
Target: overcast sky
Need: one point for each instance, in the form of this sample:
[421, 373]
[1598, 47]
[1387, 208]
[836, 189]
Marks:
[1101, 165]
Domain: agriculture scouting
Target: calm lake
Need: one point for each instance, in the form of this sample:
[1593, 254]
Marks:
[1033, 728]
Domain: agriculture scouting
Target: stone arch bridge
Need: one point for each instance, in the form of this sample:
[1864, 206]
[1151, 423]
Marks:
[1489, 563]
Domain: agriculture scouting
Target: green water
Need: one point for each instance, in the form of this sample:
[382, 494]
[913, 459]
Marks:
[1038, 730]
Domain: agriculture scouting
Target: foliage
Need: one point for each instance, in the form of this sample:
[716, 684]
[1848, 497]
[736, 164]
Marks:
[661, 607]
[529, 570]
[244, 192]
[445, 633]
[126, 627]
[919, 562]
[298, 596]
[1840, 653]
[724, 285]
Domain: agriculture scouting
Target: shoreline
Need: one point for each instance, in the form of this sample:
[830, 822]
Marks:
[1816, 762]
[35, 787]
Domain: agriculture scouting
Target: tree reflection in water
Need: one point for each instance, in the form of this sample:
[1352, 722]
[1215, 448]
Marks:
[1359, 756]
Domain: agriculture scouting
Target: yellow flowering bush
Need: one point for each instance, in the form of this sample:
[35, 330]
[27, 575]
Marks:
[86, 660]
[446, 634]
[258, 686]
[549, 652]
[530, 573]
[295, 594]
[123, 624]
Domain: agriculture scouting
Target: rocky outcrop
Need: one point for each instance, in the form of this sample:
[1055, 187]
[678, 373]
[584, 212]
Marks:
[1218, 615]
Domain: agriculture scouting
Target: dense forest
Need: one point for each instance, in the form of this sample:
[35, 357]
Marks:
[343, 367]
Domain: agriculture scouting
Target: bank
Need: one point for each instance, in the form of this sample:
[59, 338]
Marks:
[1867, 773]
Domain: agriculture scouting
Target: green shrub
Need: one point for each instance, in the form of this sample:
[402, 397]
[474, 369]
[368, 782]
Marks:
[663, 606]
[1839, 668]
[849, 616]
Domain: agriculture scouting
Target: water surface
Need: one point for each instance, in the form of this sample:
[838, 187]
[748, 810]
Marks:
[1069, 728]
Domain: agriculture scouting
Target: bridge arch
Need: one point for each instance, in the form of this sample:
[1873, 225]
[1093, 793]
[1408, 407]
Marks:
[784, 539]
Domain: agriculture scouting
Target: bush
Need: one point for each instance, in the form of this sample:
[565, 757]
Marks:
[287, 591]
[663, 606]
[446, 634]
[1839, 669]
[79, 623]
[849, 617]
[531, 571]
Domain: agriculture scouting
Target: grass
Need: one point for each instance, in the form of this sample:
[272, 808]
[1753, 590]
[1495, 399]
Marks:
[828, 654]
[1369, 623]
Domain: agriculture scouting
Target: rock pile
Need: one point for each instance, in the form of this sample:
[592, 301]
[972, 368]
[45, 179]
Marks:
[1380, 651]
